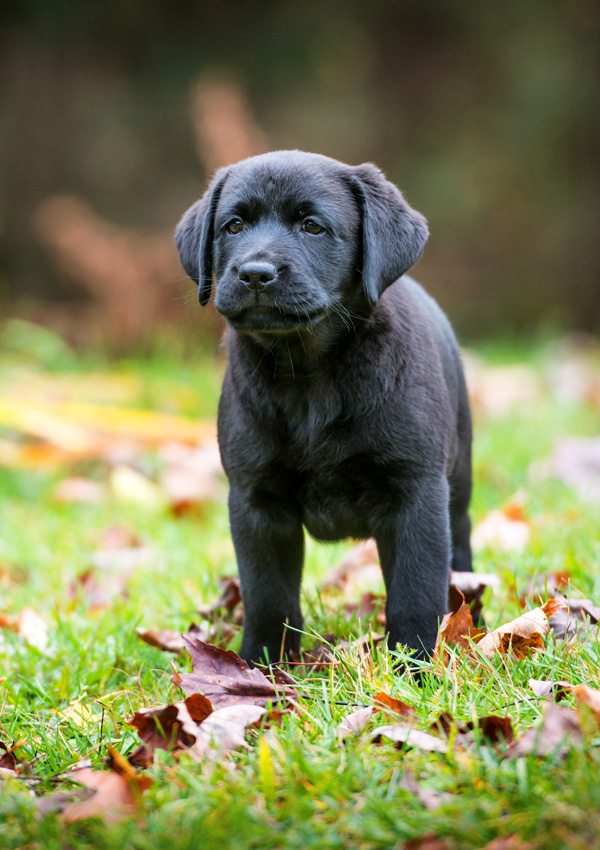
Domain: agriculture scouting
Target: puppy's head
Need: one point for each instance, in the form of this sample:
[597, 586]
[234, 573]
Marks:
[292, 237]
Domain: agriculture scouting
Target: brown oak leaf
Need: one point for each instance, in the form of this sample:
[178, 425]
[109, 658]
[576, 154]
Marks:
[117, 794]
[168, 727]
[521, 634]
[558, 730]
[225, 679]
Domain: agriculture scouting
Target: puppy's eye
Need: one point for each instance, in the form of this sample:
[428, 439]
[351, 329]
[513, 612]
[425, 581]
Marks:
[234, 226]
[309, 225]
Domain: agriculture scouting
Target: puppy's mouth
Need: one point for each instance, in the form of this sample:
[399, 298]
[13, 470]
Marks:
[271, 320]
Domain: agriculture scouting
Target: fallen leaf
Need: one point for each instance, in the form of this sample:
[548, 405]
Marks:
[409, 737]
[112, 566]
[359, 564]
[225, 729]
[471, 586]
[168, 727]
[499, 531]
[428, 797]
[225, 679]
[77, 713]
[354, 722]
[8, 759]
[59, 800]
[129, 485]
[558, 730]
[368, 604]
[494, 729]
[117, 794]
[574, 619]
[589, 697]
[394, 706]
[229, 600]
[546, 687]
[192, 475]
[31, 627]
[521, 634]
[576, 462]
[78, 489]
[456, 628]
[546, 585]
[166, 639]
[495, 390]
[430, 841]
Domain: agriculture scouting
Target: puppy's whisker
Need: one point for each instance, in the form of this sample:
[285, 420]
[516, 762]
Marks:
[291, 361]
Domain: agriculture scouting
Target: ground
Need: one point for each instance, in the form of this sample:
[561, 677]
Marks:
[75, 670]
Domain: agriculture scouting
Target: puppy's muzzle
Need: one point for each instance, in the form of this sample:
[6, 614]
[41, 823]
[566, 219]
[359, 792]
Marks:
[257, 275]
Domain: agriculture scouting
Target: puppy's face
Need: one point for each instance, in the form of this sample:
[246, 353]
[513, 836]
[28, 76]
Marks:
[292, 238]
[286, 237]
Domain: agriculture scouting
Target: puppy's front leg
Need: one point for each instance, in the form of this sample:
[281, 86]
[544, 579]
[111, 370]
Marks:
[269, 546]
[414, 549]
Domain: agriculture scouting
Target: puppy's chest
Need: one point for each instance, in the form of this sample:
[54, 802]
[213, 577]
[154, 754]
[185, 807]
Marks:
[341, 476]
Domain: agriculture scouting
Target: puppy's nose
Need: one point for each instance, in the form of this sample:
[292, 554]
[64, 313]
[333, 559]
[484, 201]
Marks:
[257, 275]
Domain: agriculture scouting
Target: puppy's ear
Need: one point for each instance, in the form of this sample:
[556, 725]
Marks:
[393, 234]
[194, 237]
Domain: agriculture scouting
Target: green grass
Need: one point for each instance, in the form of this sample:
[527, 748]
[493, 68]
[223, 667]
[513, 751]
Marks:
[320, 794]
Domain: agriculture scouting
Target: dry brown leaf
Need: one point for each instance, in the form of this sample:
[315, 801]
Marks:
[471, 586]
[456, 628]
[167, 640]
[59, 800]
[495, 729]
[557, 690]
[8, 759]
[355, 722]
[574, 620]
[589, 697]
[498, 531]
[558, 730]
[362, 561]
[121, 552]
[409, 737]
[229, 600]
[117, 794]
[395, 706]
[521, 634]
[225, 729]
[225, 679]
[168, 727]
[218, 633]
[368, 604]
[428, 797]
[430, 841]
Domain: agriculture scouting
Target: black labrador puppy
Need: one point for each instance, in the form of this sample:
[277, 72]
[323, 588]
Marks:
[344, 408]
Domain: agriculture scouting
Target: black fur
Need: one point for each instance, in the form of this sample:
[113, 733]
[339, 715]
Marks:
[344, 408]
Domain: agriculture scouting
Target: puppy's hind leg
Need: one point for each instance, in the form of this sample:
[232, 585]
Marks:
[460, 494]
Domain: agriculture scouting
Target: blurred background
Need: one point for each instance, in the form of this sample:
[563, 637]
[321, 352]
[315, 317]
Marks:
[113, 116]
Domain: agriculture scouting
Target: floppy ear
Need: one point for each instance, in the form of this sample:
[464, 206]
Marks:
[194, 237]
[393, 234]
